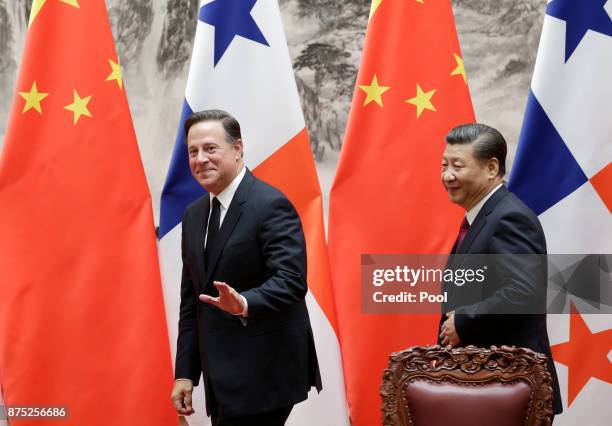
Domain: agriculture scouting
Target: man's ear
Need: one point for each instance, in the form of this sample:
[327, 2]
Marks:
[238, 149]
[493, 167]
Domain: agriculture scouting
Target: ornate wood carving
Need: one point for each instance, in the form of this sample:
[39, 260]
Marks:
[469, 365]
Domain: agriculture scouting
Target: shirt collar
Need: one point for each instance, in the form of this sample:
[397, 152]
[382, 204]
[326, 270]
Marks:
[471, 215]
[225, 197]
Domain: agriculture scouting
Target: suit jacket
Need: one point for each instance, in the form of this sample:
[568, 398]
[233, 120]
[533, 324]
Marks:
[260, 251]
[509, 307]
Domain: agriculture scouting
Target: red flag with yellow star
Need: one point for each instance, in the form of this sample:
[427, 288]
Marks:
[585, 354]
[387, 196]
[82, 325]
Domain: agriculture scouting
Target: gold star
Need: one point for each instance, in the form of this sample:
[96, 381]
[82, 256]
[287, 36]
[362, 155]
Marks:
[33, 98]
[422, 100]
[460, 70]
[373, 7]
[115, 73]
[73, 3]
[79, 107]
[374, 92]
[420, 1]
[36, 6]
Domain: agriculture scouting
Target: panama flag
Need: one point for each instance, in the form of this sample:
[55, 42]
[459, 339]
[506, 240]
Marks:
[563, 172]
[241, 64]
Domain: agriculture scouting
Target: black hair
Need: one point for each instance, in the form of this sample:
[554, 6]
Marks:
[488, 143]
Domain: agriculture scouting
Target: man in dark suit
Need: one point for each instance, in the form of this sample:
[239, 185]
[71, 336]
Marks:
[509, 307]
[243, 319]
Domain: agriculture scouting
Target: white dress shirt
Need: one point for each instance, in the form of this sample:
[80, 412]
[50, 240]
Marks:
[471, 215]
[225, 198]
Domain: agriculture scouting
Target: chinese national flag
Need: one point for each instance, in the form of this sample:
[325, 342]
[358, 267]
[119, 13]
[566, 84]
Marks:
[82, 322]
[387, 196]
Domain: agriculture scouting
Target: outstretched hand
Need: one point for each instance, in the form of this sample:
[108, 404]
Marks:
[229, 300]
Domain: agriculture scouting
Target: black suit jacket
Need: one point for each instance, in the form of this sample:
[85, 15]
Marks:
[509, 307]
[260, 251]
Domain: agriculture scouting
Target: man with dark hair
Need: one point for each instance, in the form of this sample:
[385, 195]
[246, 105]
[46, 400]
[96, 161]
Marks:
[243, 319]
[508, 308]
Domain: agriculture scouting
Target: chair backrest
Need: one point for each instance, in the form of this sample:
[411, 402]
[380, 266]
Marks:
[438, 386]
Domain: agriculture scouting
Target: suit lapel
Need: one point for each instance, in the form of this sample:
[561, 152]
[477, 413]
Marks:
[481, 219]
[229, 222]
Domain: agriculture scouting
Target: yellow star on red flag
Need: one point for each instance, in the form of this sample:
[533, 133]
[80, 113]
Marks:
[460, 70]
[33, 99]
[376, 3]
[422, 100]
[583, 365]
[406, 43]
[373, 7]
[79, 107]
[73, 3]
[65, 53]
[115, 73]
[37, 5]
[374, 91]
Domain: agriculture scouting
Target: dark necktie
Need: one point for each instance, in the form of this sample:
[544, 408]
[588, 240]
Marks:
[463, 230]
[213, 229]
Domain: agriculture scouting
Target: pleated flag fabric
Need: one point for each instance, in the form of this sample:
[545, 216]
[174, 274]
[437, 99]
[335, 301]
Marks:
[387, 196]
[563, 171]
[82, 323]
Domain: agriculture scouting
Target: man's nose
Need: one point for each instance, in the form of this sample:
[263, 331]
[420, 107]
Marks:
[448, 176]
[202, 157]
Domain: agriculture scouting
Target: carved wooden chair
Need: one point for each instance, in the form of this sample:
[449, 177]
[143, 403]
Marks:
[435, 386]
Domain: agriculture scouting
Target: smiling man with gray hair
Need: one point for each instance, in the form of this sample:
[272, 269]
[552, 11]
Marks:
[510, 307]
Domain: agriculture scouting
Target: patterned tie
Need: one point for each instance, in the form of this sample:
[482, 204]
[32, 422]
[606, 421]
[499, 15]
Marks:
[213, 229]
[463, 230]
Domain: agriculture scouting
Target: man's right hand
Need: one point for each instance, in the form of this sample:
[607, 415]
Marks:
[181, 396]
